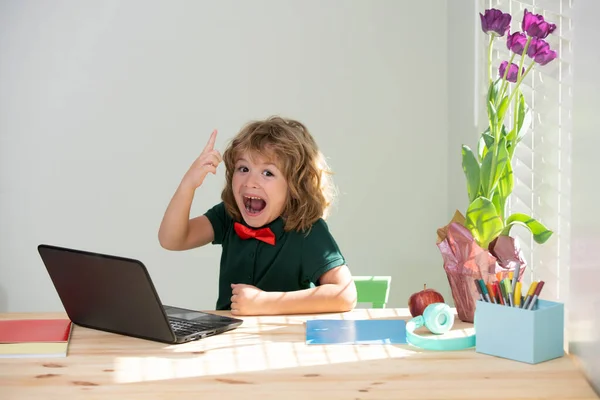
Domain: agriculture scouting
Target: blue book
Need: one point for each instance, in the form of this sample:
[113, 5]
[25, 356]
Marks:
[368, 331]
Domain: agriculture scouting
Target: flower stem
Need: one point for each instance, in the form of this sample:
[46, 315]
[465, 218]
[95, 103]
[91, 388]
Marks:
[520, 79]
[504, 81]
[490, 57]
[516, 112]
[495, 127]
[516, 106]
[489, 60]
[520, 76]
[523, 56]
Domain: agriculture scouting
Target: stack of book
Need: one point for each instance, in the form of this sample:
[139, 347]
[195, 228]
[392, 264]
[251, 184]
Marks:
[21, 338]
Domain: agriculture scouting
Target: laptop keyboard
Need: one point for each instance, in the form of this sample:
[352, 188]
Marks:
[183, 327]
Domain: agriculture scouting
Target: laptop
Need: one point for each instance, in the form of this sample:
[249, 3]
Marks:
[115, 294]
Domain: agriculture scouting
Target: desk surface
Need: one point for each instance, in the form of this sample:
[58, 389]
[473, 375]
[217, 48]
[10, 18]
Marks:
[267, 358]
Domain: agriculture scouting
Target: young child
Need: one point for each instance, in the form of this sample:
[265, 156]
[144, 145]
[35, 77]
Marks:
[278, 256]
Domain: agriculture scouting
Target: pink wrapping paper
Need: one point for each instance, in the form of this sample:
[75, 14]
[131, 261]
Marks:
[465, 261]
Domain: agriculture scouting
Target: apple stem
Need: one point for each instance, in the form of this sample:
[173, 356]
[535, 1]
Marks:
[424, 286]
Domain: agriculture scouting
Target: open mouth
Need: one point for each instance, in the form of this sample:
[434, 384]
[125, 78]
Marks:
[254, 205]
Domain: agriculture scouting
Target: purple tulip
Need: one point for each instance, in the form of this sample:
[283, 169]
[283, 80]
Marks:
[513, 71]
[536, 26]
[495, 21]
[516, 42]
[540, 51]
[537, 46]
[545, 56]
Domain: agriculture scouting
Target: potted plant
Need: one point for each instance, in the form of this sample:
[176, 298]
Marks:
[479, 244]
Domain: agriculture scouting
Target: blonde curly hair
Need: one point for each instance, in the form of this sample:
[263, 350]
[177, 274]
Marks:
[289, 145]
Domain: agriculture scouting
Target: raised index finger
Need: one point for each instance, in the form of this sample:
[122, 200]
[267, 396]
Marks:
[211, 141]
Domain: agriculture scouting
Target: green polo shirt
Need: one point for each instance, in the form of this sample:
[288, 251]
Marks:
[295, 262]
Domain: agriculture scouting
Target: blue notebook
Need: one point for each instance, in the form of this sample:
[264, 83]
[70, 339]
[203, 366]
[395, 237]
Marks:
[369, 331]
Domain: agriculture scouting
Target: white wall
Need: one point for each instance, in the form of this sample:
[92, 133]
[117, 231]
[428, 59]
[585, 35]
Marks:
[463, 31]
[584, 301]
[104, 104]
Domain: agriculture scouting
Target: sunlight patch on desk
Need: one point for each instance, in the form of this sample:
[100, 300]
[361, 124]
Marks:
[250, 358]
[262, 344]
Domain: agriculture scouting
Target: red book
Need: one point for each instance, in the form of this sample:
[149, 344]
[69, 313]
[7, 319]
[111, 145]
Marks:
[34, 330]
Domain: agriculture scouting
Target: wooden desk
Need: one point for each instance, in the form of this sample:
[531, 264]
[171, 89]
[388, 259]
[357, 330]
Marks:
[266, 358]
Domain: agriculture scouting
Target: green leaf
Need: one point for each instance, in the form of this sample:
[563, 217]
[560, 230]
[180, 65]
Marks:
[483, 221]
[486, 170]
[510, 147]
[493, 90]
[504, 189]
[486, 141]
[520, 109]
[503, 132]
[492, 113]
[512, 135]
[502, 108]
[523, 118]
[496, 201]
[524, 125]
[491, 169]
[540, 233]
[470, 166]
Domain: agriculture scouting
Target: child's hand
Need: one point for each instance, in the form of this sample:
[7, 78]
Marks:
[246, 299]
[205, 163]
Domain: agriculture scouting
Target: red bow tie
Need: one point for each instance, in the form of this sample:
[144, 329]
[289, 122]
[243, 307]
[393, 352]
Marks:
[264, 234]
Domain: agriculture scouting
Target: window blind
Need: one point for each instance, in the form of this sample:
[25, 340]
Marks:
[541, 162]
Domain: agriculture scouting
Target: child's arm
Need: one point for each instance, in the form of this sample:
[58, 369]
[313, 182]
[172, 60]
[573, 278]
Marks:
[336, 293]
[177, 231]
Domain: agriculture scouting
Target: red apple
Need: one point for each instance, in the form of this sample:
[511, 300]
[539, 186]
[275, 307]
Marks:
[417, 302]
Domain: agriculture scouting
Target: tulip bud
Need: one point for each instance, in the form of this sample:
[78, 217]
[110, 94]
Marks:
[516, 42]
[495, 21]
[513, 71]
[536, 26]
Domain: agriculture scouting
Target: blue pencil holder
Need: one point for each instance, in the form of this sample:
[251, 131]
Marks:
[530, 336]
